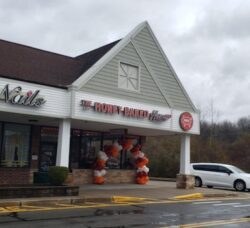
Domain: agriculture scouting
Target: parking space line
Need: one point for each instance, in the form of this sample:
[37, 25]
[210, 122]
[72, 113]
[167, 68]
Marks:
[216, 223]
[226, 204]
[206, 202]
[244, 205]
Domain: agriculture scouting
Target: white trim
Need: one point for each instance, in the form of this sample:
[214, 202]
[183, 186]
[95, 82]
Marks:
[151, 73]
[29, 113]
[171, 68]
[37, 85]
[57, 100]
[83, 79]
[172, 125]
[72, 100]
[63, 143]
[139, 76]
[185, 155]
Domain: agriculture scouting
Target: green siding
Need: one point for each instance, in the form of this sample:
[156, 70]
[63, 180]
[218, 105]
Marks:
[164, 76]
[105, 82]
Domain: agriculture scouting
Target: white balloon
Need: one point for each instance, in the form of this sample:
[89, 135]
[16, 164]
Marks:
[143, 169]
[97, 173]
[131, 146]
[102, 155]
[139, 155]
[103, 172]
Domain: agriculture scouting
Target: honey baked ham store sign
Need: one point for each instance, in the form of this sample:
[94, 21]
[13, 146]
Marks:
[153, 116]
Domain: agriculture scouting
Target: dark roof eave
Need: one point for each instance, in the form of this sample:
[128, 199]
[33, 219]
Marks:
[37, 83]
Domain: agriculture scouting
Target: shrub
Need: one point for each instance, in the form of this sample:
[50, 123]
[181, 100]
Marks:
[57, 175]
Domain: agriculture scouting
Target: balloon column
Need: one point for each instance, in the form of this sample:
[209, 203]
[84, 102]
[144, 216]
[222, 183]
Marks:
[99, 171]
[102, 157]
[140, 162]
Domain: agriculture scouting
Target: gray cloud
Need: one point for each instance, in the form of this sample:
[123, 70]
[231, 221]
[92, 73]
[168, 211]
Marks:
[206, 43]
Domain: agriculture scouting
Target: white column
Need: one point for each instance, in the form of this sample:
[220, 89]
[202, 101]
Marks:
[185, 155]
[62, 157]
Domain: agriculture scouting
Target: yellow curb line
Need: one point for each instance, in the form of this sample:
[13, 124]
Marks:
[190, 196]
[20, 209]
[117, 199]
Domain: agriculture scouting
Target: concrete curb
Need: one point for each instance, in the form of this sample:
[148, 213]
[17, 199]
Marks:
[218, 195]
[53, 201]
[163, 179]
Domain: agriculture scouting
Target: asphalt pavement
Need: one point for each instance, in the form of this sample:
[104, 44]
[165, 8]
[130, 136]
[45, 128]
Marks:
[195, 213]
[158, 204]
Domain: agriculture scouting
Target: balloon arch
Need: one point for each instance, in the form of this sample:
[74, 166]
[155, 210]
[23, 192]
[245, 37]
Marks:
[140, 161]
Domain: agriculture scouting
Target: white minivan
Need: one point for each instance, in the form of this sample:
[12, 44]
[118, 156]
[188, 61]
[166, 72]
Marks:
[220, 175]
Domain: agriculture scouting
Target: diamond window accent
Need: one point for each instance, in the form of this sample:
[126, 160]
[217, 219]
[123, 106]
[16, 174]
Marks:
[128, 77]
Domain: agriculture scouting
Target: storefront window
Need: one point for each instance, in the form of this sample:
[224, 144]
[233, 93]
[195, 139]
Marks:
[49, 134]
[75, 148]
[48, 148]
[109, 139]
[127, 160]
[90, 146]
[16, 145]
[85, 145]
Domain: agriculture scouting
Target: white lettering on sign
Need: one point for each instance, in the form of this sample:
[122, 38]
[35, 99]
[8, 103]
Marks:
[17, 96]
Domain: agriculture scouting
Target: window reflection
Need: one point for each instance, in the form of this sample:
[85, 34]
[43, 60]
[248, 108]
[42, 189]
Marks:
[16, 145]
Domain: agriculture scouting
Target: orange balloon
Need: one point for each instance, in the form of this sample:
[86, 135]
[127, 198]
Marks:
[114, 151]
[140, 162]
[99, 180]
[142, 180]
[136, 148]
[100, 163]
[127, 144]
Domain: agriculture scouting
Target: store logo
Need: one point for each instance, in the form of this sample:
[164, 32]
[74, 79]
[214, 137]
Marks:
[186, 121]
[154, 116]
[17, 96]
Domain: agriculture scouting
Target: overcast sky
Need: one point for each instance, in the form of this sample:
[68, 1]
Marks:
[207, 41]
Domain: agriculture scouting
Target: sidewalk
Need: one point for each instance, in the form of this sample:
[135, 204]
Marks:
[154, 189]
[157, 190]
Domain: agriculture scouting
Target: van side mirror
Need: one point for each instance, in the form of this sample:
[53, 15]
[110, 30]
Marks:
[229, 172]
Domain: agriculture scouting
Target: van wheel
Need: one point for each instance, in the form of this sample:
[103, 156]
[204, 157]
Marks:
[240, 185]
[198, 182]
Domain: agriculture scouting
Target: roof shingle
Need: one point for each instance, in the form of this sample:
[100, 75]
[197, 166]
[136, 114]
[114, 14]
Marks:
[29, 64]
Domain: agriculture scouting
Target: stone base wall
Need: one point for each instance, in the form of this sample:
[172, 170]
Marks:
[15, 176]
[184, 181]
[85, 176]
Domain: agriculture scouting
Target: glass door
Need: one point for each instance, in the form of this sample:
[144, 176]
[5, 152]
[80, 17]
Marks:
[47, 156]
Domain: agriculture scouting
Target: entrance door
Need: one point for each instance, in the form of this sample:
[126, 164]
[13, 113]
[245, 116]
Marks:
[47, 155]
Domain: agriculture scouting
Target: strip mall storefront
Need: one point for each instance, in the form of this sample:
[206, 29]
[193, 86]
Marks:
[66, 120]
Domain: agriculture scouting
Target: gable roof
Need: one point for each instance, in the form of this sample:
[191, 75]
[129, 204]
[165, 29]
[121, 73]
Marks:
[30, 64]
[90, 58]
[130, 38]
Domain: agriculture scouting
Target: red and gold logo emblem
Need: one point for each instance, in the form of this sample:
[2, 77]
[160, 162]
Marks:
[186, 121]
